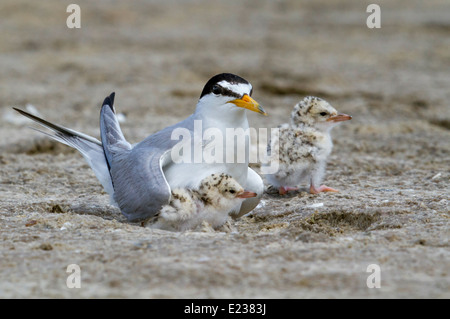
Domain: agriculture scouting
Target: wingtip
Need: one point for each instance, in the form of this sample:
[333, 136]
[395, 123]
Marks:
[109, 100]
[111, 96]
[24, 113]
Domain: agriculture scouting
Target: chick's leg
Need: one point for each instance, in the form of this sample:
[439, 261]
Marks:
[322, 188]
[284, 189]
[316, 178]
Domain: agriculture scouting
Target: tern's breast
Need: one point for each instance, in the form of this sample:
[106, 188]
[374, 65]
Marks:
[184, 175]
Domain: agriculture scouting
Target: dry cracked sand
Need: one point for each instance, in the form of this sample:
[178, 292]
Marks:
[390, 163]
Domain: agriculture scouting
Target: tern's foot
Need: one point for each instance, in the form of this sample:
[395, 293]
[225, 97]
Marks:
[284, 189]
[322, 188]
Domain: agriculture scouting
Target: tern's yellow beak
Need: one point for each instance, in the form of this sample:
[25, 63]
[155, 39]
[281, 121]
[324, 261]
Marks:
[248, 103]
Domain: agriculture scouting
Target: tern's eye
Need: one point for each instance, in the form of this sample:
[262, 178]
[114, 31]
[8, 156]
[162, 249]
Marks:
[216, 89]
[323, 113]
[232, 191]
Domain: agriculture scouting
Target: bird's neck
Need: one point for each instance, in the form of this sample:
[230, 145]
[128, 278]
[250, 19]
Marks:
[322, 129]
[205, 197]
[302, 126]
[227, 123]
[227, 118]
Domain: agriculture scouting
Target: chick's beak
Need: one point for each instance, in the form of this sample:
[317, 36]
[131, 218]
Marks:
[248, 103]
[339, 118]
[246, 194]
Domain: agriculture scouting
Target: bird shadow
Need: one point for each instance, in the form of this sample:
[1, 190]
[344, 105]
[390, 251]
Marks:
[272, 191]
[107, 212]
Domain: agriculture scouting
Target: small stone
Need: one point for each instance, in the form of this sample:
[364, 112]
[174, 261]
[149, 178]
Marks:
[46, 246]
[437, 176]
[57, 209]
[31, 223]
[421, 242]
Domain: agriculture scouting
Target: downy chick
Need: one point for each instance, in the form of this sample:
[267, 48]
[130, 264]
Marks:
[216, 195]
[303, 146]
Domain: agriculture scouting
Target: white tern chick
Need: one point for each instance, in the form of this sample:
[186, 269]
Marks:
[303, 146]
[211, 202]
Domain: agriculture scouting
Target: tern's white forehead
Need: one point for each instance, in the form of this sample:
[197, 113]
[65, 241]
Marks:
[238, 88]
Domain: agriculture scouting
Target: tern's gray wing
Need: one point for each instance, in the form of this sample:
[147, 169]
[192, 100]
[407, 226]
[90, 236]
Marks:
[88, 146]
[140, 187]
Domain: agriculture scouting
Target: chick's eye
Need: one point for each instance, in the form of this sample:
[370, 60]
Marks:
[216, 89]
[323, 113]
[232, 191]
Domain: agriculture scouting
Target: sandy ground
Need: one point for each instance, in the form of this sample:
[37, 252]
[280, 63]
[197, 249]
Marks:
[390, 163]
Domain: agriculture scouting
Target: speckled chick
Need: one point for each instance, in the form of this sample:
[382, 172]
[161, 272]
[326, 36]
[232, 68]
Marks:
[216, 195]
[302, 147]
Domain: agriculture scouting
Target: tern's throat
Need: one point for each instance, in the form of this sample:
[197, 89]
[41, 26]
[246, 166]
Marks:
[223, 118]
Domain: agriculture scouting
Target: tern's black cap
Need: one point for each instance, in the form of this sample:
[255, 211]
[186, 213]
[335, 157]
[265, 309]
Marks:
[230, 78]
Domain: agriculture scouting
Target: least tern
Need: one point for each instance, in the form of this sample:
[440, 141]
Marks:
[211, 202]
[304, 145]
[139, 177]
